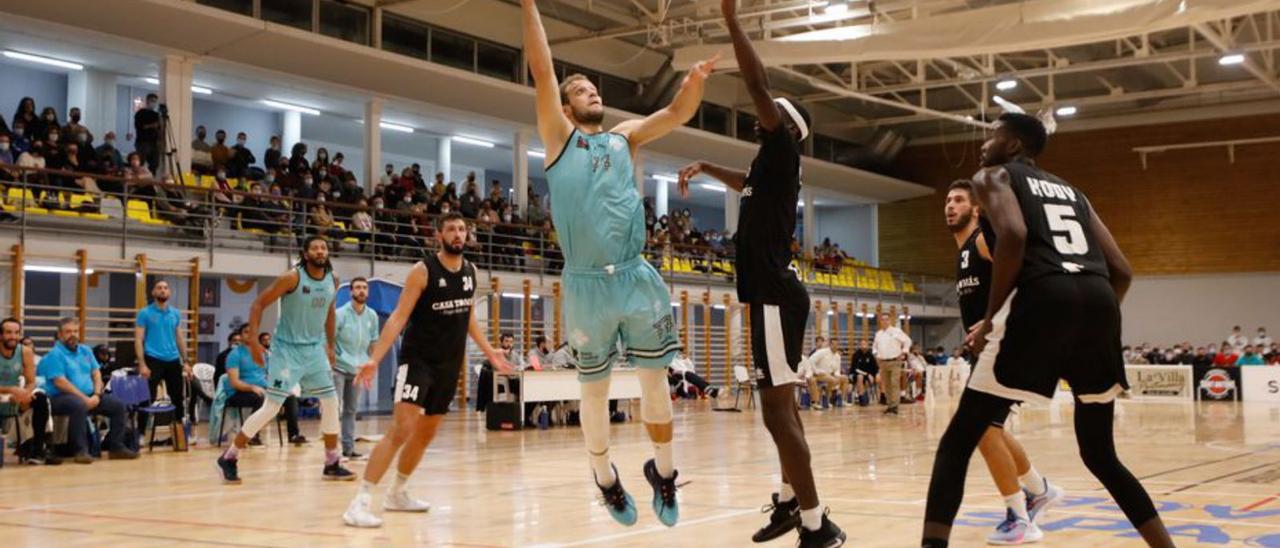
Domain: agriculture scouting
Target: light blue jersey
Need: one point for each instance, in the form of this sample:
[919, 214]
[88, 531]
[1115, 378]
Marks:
[596, 208]
[304, 310]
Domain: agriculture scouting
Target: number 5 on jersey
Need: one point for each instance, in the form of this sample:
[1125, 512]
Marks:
[1062, 219]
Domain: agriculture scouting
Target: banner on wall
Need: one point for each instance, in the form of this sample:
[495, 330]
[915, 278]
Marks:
[1160, 381]
[1260, 383]
[1217, 383]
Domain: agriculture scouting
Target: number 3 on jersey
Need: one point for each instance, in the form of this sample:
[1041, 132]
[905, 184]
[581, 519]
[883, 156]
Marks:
[1062, 219]
[964, 259]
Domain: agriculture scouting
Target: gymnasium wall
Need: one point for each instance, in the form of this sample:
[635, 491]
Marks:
[49, 89]
[1200, 308]
[1190, 211]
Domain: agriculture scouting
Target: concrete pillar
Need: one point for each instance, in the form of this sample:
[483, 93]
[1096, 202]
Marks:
[444, 164]
[520, 171]
[661, 198]
[372, 143]
[731, 210]
[810, 220]
[94, 92]
[291, 132]
[874, 259]
[176, 75]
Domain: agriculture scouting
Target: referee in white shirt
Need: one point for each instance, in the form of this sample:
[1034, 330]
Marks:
[890, 349]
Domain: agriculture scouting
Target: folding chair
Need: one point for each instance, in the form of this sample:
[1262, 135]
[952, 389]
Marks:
[9, 410]
[743, 381]
[132, 390]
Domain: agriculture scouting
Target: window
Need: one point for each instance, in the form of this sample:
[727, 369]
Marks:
[242, 7]
[405, 37]
[294, 13]
[344, 21]
[746, 127]
[715, 118]
[498, 61]
[453, 50]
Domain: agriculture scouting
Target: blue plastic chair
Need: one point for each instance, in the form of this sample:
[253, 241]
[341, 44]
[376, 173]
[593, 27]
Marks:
[133, 391]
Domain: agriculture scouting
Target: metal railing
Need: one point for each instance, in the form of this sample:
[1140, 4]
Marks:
[231, 215]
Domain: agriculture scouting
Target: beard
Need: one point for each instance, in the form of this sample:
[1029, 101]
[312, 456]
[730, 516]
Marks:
[10, 345]
[162, 299]
[453, 248]
[360, 298]
[586, 117]
[962, 221]
[322, 263]
[72, 342]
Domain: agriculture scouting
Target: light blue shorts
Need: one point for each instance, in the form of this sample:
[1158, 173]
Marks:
[627, 303]
[304, 366]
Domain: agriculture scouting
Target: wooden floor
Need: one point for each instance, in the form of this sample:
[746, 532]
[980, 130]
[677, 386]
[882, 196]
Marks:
[1213, 468]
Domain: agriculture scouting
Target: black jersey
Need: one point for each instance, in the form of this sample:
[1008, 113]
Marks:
[1058, 216]
[767, 221]
[973, 281]
[437, 330]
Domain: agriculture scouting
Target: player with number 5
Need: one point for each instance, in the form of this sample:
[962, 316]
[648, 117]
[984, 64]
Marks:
[436, 305]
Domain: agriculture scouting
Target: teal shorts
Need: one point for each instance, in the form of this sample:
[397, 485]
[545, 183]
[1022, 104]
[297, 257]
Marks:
[626, 303]
[304, 366]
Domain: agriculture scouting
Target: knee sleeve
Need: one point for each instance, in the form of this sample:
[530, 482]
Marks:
[655, 396]
[329, 410]
[260, 418]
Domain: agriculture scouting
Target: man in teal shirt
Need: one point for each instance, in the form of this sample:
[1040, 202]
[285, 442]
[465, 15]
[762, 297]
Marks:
[74, 385]
[1250, 357]
[161, 348]
[357, 329]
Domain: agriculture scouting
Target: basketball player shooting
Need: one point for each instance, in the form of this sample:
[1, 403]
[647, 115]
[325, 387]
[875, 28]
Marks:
[436, 306]
[615, 301]
[1053, 313]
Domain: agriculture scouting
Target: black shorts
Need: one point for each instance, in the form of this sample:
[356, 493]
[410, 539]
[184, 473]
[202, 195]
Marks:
[1056, 327]
[430, 386]
[777, 340]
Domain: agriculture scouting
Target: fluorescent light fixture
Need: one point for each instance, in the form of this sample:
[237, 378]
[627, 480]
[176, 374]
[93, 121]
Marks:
[836, 9]
[54, 269]
[201, 90]
[537, 153]
[152, 81]
[520, 296]
[1067, 111]
[666, 178]
[472, 141]
[718, 306]
[43, 60]
[713, 188]
[1006, 85]
[1231, 59]
[677, 305]
[294, 108]
[395, 127]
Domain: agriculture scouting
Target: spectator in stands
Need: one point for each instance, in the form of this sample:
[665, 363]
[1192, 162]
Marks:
[109, 159]
[1249, 357]
[224, 193]
[220, 153]
[69, 161]
[146, 130]
[306, 190]
[18, 382]
[74, 128]
[1272, 352]
[437, 187]
[536, 213]
[20, 141]
[388, 176]
[470, 200]
[199, 144]
[298, 164]
[241, 157]
[34, 158]
[47, 128]
[825, 363]
[172, 205]
[362, 227]
[7, 156]
[74, 384]
[1201, 358]
[336, 169]
[891, 347]
[321, 162]
[134, 169]
[256, 212]
[1227, 355]
[1237, 339]
[24, 118]
[271, 157]
[1262, 340]
[322, 221]
[349, 193]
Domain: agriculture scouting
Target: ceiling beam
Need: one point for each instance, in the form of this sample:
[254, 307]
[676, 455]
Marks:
[925, 112]
[1224, 44]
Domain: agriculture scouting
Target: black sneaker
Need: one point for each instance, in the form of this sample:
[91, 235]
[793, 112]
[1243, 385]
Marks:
[784, 517]
[229, 470]
[255, 441]
[298, 439]
[616, 500]
[335, 472]
[664, 494]
[827, 536]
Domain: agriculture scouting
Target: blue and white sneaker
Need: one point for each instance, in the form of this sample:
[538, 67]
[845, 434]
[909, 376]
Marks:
[664, 494]
[1037, 507]
[616, 500]
[1014, 530]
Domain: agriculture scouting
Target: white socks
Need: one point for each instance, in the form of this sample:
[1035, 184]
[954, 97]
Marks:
[811, 519]
[1033, 482]
[603, 469]
[398, 485]
[1018, 503]
[366, 487]
[786, 493]
[663, 459]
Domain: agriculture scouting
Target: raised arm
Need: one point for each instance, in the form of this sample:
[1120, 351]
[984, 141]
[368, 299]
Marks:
[414, 285]
[1120, 273]
[681, 110]
[752, 69]
[553, 126]
[732, 178]
[1001, 208]
[283, 284]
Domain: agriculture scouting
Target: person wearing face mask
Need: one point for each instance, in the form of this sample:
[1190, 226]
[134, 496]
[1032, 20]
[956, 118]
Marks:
[146, 129]
[470, 200]
[108, 156]
[298, 163]
[241, 157]
[271, 158]
[46, 126]
[24, 118]
[384, 228]
[361, 227]
[74, 127]
[388, 175]
[18, 140]
[201, 150]
[322, 161]
[336, 169]
[7, 156]
[220, 152]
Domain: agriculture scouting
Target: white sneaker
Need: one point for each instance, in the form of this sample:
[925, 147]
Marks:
[358, 513]
[400, 501]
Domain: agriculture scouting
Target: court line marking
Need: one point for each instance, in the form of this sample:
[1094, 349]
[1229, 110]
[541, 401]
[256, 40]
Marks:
[91, 515]
[650, 529]
[1259, 503]
[95, 534]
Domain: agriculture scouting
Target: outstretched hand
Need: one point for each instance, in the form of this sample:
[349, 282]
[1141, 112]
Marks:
[703, 69]
[686, 173]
